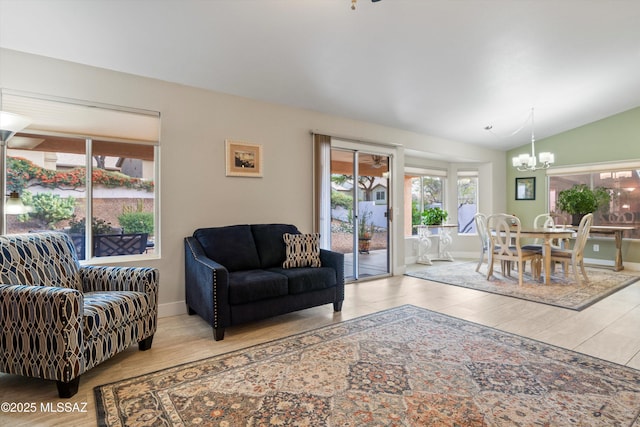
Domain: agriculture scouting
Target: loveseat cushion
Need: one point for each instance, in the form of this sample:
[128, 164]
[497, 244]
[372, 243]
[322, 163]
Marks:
[307, 279]
[255, 285]
[232, 246]
[270, 243]
[113, 310]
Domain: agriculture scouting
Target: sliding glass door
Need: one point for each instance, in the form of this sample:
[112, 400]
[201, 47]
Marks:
[360, 190]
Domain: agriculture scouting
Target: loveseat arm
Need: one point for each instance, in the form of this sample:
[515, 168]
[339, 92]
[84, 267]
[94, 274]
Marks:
[206, 286]
[335, 260]
[41, 332]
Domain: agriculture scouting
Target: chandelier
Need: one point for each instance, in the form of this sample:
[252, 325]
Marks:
[527, 162]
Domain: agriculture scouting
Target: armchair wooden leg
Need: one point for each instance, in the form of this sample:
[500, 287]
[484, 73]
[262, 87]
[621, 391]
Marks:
[67, 390]
[145, 344]
[337, 306]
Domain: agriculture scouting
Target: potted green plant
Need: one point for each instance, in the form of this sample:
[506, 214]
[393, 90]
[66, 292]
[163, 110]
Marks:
[580, 200]
[98, 226]
[434, 216]
[365, 233]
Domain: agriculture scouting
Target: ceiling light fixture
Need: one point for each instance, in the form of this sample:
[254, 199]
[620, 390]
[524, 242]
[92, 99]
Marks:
[10, 124]
[14, 205]
[377, 161]
[528, 163]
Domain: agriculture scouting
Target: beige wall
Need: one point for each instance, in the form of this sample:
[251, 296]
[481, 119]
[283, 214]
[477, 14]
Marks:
[195, 123]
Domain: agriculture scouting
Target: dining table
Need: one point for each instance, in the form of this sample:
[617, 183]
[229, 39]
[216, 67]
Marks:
[547, 235]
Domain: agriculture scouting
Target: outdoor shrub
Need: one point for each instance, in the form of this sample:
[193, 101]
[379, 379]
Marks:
[47, 208]
[98, 226]
[340, 200]
[22, 173]
[136, 222]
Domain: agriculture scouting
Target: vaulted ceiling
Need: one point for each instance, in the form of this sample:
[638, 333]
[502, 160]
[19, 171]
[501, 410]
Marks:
[447, 68]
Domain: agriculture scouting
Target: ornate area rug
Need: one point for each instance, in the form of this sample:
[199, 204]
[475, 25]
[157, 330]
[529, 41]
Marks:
[562, 292]
[405, 366]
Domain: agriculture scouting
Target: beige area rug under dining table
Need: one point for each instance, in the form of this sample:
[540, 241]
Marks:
[405, 366]
[562, 292]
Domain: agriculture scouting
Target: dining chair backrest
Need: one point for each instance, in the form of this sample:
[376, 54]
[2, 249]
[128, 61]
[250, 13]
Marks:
[481, 228]
[575, 255]
[504, 232]
[480, 220]
[559, 220]
[544, 220]
[581, 236]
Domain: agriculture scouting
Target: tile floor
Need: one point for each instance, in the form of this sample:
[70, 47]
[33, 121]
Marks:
[609, 329]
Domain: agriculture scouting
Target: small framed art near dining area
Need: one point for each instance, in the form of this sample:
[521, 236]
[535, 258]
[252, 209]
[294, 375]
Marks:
[526, 188]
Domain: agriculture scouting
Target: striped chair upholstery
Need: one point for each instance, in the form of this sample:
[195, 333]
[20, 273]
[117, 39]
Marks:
[59, 319]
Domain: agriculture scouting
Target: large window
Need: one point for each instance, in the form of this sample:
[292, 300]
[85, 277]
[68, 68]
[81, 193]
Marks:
[622, 183]
[467, 201]
[426, 190]
[64, 180]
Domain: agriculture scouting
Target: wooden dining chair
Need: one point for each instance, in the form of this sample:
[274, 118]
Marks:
[544, 220]
[576, 254]
[504, 238]
[480, 220]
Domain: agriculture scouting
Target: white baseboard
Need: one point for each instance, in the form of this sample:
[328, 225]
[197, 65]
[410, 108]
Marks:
[631, 266]
[172, 309]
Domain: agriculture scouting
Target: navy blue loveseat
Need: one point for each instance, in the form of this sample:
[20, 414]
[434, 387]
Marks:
[235, 274]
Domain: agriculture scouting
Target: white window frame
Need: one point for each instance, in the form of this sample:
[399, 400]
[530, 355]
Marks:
[48, 112]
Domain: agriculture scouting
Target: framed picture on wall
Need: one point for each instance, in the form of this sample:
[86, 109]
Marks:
[243, 159]
[526, 188]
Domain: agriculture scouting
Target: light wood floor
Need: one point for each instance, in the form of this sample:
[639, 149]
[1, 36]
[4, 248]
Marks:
[607, 330]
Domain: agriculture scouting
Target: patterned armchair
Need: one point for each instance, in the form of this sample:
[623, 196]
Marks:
[59, 319]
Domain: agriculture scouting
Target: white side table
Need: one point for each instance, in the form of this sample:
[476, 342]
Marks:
[424, 245]
[444, 239]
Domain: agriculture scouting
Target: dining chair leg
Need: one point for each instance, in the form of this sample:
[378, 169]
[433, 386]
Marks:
[584, 273]
[480, 262]
[520, 272]
[576, 274]
[489, 268]
[505, 266]
[536, 267]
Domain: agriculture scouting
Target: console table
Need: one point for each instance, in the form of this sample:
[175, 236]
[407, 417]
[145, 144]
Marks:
[444, 240]
[617, 232]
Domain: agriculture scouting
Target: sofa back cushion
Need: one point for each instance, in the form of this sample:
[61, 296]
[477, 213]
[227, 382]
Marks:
[270, 243]
[232, 246]
[39, 259]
